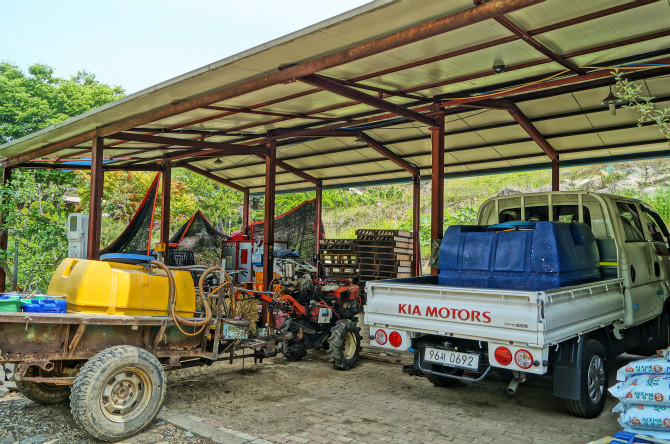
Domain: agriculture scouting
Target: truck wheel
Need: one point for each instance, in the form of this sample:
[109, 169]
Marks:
[41, 392]
[445, 381]
[118, 392]
[593, 382]
[344, 344]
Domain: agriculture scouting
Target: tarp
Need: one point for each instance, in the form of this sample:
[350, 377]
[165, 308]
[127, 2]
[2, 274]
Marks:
[136, 238]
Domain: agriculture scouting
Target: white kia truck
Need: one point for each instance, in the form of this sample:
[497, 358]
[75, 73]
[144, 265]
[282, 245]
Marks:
[511, 298]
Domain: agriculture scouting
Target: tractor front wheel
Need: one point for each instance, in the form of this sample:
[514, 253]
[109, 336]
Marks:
[344, 344]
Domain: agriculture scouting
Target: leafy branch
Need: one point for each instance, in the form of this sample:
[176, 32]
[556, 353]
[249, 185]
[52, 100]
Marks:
[631, 93]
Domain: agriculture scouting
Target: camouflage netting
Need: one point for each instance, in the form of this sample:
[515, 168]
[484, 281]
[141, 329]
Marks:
[196, 243]
[136, 238]
[297, 227]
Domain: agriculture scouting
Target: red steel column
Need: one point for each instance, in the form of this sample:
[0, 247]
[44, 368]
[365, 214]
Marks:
[416, 224]
[165, 207]
[555, 178]
[4, 237]
[269, 231]
[437, 192]
[317, 227]
[245, 212]
[95, 204]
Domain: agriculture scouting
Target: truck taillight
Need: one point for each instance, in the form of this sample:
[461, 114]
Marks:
[380, 337]
[503, 355]
[395, 339]
[523, 359]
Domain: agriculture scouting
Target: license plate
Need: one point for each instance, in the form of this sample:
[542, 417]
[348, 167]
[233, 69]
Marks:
[451, 358]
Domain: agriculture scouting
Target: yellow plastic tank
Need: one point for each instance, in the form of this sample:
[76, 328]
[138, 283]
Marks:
[117, 288]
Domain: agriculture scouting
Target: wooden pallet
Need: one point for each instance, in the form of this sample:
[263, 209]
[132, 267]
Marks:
[339, 259]
[369, 232]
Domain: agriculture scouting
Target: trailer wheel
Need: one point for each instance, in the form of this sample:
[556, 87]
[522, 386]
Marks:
[344, 344]
[40, 392]
[118, 392]
[445, 381]
[593, 382]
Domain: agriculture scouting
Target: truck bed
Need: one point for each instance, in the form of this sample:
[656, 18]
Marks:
[530, 317]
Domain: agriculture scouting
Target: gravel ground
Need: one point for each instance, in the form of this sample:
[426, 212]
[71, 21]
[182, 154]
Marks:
[22, 421]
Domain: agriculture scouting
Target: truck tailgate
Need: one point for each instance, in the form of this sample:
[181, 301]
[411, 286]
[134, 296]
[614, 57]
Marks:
[530, 317]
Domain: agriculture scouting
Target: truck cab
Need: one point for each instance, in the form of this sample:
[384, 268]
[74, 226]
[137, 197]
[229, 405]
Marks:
[632, 239]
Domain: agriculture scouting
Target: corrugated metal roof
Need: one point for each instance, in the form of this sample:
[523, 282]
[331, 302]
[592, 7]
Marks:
[564, 106]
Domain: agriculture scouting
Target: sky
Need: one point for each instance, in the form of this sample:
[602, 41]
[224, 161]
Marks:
[139, 43]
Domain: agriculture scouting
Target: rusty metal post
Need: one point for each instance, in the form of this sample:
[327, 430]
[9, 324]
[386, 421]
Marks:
[95, 204]
[165, 207]
[269, 229]
[4, 237]
[437, 192]
[245, 212]
[317, 227]
[416, 224]
[555, 178]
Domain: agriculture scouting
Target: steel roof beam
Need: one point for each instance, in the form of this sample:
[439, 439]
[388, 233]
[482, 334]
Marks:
[390, 155]
[516, 30]
[342, 90]
[533, 132]
[220, 147]
[214, 177]
[65, 166]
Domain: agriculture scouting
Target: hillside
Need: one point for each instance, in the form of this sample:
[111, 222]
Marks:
[391, 206]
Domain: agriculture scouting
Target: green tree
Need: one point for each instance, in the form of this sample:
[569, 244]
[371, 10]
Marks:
[33, 202]
[33, 101]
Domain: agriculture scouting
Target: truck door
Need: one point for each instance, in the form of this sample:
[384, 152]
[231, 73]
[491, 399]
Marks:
[658, 236]
[641, 285]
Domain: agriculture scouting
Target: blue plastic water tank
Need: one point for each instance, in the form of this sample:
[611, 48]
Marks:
[526, 256]
[46, 305]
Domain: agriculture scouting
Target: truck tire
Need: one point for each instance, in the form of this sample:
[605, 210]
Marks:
[344, 344]
[118, 392]
[40, 392]
[445, 381]
[593, 376]
[661, 337]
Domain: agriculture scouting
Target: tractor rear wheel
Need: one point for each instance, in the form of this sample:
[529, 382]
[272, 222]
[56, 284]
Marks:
[344, 344]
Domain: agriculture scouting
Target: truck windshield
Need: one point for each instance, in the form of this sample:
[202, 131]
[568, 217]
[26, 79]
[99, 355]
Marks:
[561, 213]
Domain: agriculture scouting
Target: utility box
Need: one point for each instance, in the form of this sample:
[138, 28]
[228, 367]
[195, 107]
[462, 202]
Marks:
[77, 235]
[246, 257]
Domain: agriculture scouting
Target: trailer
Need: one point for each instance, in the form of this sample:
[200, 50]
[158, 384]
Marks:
[112, 367]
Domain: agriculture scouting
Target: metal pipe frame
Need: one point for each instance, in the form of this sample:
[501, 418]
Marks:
[437, 202]
[416, 224]
[269, 228]
[317, 227]
[95, 204]
[165, 207]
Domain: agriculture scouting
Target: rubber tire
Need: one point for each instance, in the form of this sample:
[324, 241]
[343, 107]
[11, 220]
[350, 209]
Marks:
[585, 407]
[444, 381]
[662, 339]
[336, 343]
[295, 352]
[42, 393]
[89, 383]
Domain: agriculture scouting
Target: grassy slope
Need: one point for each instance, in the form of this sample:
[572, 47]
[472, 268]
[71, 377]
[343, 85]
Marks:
[390, 207]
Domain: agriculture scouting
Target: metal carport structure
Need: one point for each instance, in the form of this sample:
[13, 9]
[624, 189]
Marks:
[393, 91]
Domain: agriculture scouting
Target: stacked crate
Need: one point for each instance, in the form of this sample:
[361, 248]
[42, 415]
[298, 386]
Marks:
[338, 259]
[383, 254]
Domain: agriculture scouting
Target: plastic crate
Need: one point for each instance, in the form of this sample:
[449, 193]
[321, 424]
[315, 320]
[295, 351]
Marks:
[44, 305]
[181, 258]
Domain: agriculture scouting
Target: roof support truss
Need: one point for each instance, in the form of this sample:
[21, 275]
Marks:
[338, 88]
[533, 132]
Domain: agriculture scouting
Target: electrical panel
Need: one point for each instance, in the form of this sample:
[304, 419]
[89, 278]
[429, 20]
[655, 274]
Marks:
[77, 235]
